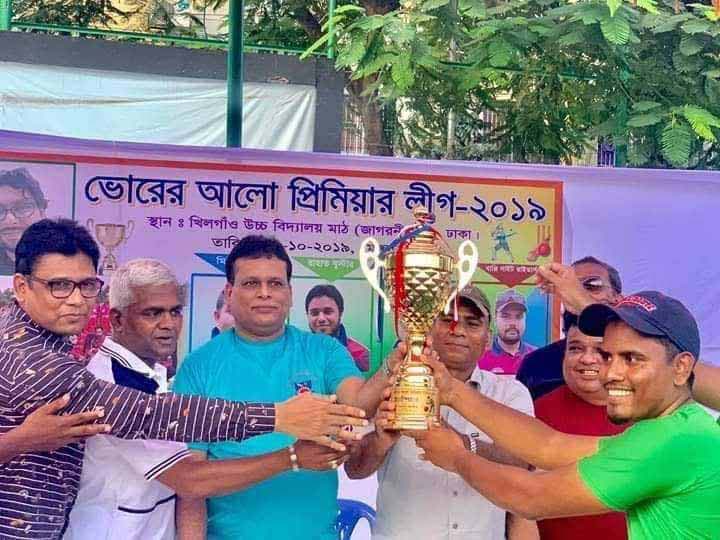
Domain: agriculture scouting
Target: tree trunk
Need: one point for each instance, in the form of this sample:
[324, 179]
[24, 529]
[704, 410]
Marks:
[370, 110]
[369, 107]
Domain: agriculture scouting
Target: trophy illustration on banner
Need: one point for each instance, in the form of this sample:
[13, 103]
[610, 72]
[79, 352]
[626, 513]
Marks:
[110, 236]
[418, 274]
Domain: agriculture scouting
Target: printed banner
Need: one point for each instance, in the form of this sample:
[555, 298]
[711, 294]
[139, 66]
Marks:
[190, 208]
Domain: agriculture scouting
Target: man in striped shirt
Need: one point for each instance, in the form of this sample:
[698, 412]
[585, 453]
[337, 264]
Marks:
[56, 286]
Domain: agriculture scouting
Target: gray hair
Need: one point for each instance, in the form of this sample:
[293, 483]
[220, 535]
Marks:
[140, 273]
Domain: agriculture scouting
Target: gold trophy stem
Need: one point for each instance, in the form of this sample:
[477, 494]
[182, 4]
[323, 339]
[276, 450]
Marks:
[414, 393]
[415, 344]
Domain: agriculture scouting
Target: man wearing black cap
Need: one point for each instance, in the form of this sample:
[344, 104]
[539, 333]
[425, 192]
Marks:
[663, 472]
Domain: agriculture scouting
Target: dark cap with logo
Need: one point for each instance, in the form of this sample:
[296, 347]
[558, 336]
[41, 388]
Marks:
[477, 298]
[647, 312]
[508, 297]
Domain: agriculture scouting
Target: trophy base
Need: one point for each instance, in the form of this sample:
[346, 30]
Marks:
[416, 398]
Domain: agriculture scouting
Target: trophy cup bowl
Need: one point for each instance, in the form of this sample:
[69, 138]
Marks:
[110, 236]
[418, 280]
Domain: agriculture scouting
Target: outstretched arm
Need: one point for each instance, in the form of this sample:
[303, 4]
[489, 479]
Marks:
[133, 414]
[539, 495]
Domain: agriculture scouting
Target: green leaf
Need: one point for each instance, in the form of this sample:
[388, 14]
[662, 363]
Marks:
[670, 23]
[433, 4]
[690, 45]
[590, 14]
[697, 26]
[484, 31]
[351, 55]
[373, 22]
[676, 141]
[500, 53]
[376, 64]
[642, 106]
[644, 120]
[402, 73]
[701, 121]
[572, 38]
[638, 154]
[613, 6]
[616, 29]
[648, 5]
[347, 8]
[712, 73]
[473, 8]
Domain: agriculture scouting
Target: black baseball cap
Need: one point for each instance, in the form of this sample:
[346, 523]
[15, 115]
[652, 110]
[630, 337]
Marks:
[647, 312]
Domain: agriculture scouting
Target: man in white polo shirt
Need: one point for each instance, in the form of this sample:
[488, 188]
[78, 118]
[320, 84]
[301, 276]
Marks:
[418, 500]
[128, 487]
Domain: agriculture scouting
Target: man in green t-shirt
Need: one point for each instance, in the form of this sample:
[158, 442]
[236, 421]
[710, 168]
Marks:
[664, 471]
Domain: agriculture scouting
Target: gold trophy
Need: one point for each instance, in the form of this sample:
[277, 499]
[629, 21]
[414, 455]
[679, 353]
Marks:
[418, 273]
[110, 236]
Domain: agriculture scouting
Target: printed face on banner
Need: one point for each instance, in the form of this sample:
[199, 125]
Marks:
[511, 324]
[28, 192]
[323, 315]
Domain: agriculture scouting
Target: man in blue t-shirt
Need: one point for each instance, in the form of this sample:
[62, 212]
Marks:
[263, 356]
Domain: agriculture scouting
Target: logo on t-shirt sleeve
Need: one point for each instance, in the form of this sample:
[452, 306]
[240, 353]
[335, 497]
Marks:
[303, 387]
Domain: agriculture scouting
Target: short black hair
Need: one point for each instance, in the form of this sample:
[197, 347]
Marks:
[220, 302]
[63, 236]
[22, 180]
[325, 290]
[256, 246]
[568, 321]
[613, 274]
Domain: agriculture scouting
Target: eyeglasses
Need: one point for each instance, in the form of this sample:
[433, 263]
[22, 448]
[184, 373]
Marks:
[20, 211]
[593, 284]
[63, 288]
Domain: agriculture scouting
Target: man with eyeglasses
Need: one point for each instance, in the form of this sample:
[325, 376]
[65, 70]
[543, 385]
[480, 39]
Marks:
[55, 285]
[263, 357]
[585, 282]
[22, 202]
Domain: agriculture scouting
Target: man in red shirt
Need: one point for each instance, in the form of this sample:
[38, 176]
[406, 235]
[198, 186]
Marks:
[578, 408]
[508, 348]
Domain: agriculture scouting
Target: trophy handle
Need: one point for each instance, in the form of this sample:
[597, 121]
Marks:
[130, 228]
[466, 266]
[90, 223]
[371, 264]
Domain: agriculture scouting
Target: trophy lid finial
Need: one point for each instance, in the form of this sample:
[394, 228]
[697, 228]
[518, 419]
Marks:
[422, 215]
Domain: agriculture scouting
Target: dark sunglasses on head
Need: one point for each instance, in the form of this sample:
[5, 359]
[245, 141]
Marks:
[593, 284]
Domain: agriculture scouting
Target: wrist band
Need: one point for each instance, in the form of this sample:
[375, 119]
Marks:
[293, 458]
[386, 368]
[473, 444]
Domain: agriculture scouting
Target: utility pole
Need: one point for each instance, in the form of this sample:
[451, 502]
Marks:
[234, 75]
